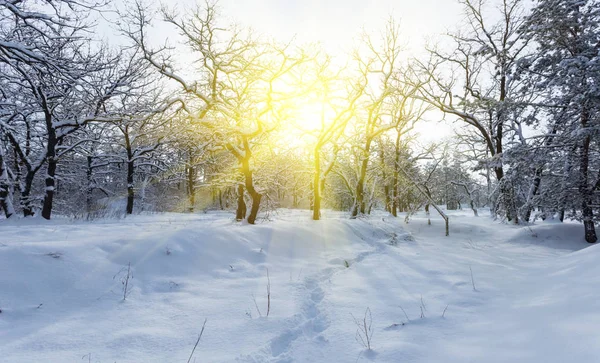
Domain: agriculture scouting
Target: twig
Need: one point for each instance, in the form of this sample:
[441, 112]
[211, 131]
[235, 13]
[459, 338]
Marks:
[256, 305]
[472, 279]
[125, 275]
[198, 340]
[444, 313]
[364, 333]
[126, 280]
[405, 314]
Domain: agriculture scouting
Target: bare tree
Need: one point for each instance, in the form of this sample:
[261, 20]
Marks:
[236, 93]
[474, 84]
[387, 103]
[337, 109]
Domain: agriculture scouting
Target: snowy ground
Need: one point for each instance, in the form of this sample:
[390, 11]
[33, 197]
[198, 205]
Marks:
[536, 296]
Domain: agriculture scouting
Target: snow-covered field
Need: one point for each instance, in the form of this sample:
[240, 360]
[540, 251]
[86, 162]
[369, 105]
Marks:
[510, 294]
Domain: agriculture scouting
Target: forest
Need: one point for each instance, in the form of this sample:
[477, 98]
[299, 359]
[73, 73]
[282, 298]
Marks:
[223, 118]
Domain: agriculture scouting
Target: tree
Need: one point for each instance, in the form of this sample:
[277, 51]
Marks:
[140, 118]
[564, 68]
[338, 96]
[378, 114]
[474, 83]
[236, 96]
[48, 59]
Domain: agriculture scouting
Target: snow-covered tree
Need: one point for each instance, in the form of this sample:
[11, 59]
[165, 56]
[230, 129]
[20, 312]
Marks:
[49, 67]
[565, 70]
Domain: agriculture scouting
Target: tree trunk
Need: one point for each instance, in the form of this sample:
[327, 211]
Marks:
[359, 204]
[240, 212]
[6, 203]
[565, 184]
[130, 172]
[311, 197]
[429, 196]
[24, 186]
[386, 187]
[50, 185]
[535, 187]
[51, 158]
[26, 202]
[317, 187]
[473, 208]
[505, 190]
[537, 180]
[584, 190]
[50, 174]
[396, 174]
[130, 190]
[191, 187]
[256, 196]
[89, 187]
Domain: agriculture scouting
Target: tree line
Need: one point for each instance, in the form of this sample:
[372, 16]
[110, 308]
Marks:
[228, 119]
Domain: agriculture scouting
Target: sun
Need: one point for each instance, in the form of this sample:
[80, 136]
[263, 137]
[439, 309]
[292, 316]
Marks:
[310, 116]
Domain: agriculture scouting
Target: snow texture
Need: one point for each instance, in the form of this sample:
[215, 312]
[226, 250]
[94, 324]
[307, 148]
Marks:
[507, 293]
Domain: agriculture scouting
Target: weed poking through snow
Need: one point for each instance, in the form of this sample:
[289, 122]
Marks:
[472, 279]
[125, 275]
[197, 340]
[268, 298]
[364, 331]
[405, 314]
[88, 356]
[268, 293]
[533, 234]
[256, 306]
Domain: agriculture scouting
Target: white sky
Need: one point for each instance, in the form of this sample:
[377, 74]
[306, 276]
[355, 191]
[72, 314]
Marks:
[336, 23]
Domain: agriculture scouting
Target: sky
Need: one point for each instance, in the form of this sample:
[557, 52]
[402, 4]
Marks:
[336, 24]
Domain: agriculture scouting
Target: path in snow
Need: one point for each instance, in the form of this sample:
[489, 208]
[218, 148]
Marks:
[313, 319]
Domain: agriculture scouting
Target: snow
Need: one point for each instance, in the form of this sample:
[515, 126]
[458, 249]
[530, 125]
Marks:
[535, 296]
